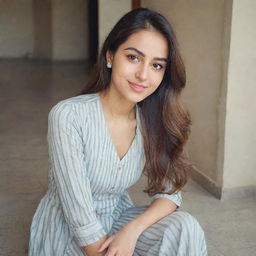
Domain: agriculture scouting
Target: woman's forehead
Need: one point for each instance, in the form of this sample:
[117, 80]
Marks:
[150, 42]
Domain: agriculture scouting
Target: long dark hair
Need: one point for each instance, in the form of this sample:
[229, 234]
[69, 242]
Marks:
[165, 123]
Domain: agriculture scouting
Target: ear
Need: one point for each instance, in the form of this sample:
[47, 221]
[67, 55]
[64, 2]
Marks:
[109, 56]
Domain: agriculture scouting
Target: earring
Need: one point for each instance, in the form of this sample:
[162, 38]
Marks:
[109, 65]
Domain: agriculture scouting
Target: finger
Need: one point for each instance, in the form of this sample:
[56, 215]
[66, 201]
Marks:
[111, 253]
[105, 244]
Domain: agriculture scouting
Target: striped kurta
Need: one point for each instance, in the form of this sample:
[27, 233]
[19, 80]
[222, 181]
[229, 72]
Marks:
[87, 195]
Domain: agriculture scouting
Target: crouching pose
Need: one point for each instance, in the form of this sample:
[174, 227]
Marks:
[126, 121]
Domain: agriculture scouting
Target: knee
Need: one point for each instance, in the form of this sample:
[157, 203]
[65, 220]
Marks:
[185, 222]
[186, 231]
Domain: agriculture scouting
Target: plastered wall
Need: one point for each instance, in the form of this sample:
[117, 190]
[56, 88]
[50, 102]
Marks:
[51, 29]
[200, 28]
[110, 11]
[70, 30]
[217, 41]
[16, 28]
[240, 135]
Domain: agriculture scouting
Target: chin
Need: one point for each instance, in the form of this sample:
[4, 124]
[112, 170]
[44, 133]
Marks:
[135, 98]
[132, 96]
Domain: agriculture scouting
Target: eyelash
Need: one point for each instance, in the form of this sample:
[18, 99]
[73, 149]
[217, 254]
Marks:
[133, 57]
[161, 66]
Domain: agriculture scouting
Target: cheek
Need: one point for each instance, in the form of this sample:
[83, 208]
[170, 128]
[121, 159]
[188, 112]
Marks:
[122, 70]
[157, 79]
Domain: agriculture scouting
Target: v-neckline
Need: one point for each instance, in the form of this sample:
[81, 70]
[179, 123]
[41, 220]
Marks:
[109, 135]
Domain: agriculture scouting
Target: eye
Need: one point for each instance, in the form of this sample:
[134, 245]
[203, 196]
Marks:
[133, 57]
[158, 66]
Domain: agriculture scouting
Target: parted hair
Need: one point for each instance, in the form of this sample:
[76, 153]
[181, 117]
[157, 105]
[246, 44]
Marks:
[165, 122]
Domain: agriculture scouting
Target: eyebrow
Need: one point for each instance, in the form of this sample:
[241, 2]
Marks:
[143, 54]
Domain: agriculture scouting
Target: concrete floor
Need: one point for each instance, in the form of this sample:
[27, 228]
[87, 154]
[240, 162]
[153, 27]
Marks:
[28, 91]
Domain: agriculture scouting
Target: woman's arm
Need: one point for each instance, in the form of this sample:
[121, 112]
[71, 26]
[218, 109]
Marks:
[158, 209]
[124, 241]
[66, 152]
[92, 249]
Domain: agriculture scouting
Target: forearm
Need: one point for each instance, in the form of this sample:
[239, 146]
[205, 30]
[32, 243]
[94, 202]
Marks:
[159, 208]
[92, 249]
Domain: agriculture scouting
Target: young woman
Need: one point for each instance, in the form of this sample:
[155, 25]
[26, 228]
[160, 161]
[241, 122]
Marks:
[126, 121]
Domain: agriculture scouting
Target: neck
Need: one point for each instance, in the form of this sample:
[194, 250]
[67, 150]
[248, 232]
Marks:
[116, 106]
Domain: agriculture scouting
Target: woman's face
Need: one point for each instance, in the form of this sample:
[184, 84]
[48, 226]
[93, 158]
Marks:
[138, 65]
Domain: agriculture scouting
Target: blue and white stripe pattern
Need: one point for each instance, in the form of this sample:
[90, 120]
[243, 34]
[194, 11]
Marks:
[87, 195]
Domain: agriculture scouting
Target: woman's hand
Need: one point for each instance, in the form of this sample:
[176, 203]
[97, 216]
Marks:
[92, 249]
[121, 243]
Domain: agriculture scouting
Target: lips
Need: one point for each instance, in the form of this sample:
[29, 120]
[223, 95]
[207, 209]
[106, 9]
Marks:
[137, 87]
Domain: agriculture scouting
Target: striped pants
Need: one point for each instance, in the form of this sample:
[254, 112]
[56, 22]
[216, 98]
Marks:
[178, 234]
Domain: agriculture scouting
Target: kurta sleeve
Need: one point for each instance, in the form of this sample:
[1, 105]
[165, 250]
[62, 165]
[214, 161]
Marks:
[69, 171]
[175, 197]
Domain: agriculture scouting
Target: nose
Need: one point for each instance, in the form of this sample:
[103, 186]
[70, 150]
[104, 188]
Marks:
[142, 72]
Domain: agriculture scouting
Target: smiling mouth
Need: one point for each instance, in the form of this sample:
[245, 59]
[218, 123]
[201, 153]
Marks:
[137, 87]
[140, 85]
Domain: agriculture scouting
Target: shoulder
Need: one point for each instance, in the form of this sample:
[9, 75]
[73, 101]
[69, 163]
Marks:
[77, 105]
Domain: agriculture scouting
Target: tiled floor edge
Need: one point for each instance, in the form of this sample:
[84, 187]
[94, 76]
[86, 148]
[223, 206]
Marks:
[222, 193]
[239, 192]
[206, 183]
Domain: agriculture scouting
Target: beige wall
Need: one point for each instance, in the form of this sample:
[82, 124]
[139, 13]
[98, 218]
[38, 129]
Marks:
[110, 11]
[16, 29]
[200, 28]
[217, 40]
[70, 30]
[240, 136]
[55, 29]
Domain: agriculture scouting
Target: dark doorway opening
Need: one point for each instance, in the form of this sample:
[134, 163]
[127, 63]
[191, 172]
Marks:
[93, 30]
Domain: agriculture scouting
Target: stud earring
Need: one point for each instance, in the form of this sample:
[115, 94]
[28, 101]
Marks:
[109, 65]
